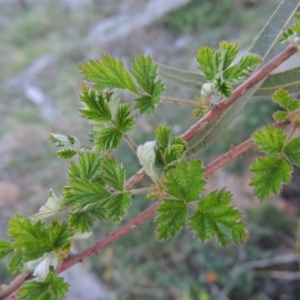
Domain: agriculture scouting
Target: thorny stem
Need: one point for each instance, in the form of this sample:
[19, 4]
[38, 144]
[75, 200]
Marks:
[137, 177]
[181, 101]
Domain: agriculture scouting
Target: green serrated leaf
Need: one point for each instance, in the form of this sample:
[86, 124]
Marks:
[124, 119]
[270, 139]
[177, 140]
[88, 167]
[148, 104]
[197, 112]
[223, 88]
[292, 151]
[83, 220]
[159, 159]
[117, 206]
[282, 98]
[66, 153]
[52, 287]
[108, 139]
[186, 181]
[108, 73]
[242, 69]
[270, 173]
[113, 173]
[295, 104]
[208, 62]
[163, 135]
[82, 192]
[174, 153]
[216, 217]
[15, 263]
[5, 248]
[229, 53]
[145, 71]
[96, 105]
[171, 218]
[33, 240]
[280, 116]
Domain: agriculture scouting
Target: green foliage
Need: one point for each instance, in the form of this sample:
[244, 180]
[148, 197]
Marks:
[145, 72]
[108, 139]
[69, 145]
[292, 33]
[5, 248]
[217, 66]
[185, 182]
[113, 173]
[32, 241]
[171, 218]
[270, 140]
[108, 73]
[216, 217]
[52, 287]
[170, 149]
[148, 104]
[292, 151]
[270, 173]
[97, 105]
[124, 120]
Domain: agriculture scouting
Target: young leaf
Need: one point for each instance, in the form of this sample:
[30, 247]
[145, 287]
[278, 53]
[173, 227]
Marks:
[108, 139]
[117, 206]
[66, 153]
[223, 88]
[82, 192]
[186, 181]
[282, 98]
[5, 248]
[108, 73]
[70, 145]
[295, 104]
[15, 263]
[84, 220]
[280, 115]
[270, 140]
[292, 151]
[163, 135]
[96, 105]
[53, 287]
[216, 217]
[209, 61]
[174, 153]
[146, 155]
[148, 104]
[113, 173]
[145, 71]
[53, 205]
[33, 240]
[270, 173]
[171, 218]
[229, 53]
[124, 119]
[242, 69]
[88, 167]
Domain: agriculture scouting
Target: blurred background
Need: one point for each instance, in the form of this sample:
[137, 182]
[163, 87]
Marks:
[41, 44]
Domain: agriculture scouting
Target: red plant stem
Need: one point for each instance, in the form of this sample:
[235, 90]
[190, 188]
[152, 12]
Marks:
[15, 284]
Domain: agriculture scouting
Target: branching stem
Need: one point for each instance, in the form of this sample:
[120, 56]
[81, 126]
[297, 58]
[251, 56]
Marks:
[181, 101]
[130, 142]
[142, 191]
